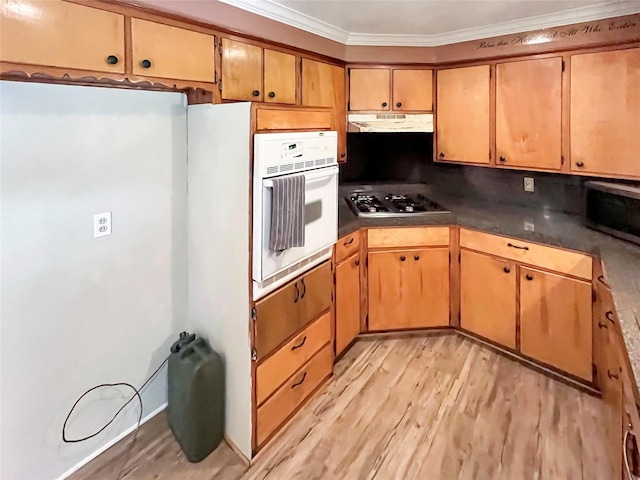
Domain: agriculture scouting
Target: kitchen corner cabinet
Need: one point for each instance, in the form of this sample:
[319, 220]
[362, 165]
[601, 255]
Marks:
[529, 114]
[488, 297]
[62, 34]
[462, 115]
[254, 74]
[390, 89]
[408, 288]
[323, 85]
[555, 321]
[347, 301]
[605, 112]
[169, 52]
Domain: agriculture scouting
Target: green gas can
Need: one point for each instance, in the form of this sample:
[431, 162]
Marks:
[196, 396]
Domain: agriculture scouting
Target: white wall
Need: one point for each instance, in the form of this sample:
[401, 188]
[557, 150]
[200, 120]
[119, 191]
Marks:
[78, 311]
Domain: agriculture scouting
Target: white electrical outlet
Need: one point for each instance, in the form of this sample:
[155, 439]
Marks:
[529, 184]
[101, 224]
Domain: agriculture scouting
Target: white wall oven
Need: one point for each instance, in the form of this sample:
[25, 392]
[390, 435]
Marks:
[280, 155]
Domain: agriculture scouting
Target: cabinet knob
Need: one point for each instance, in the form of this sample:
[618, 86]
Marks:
[502, 159]
[342, 155]
[357, 262]
[271, 94]
[403, 258]
[112, 60]
[580, 164]
[256, 93]
[416, 257]
[384, 104]
[506, 269]
[442, 155]
[399, 104]
[529, 277]
[145, 63]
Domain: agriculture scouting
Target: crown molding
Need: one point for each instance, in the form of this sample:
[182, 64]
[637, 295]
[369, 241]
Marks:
[293, 18]
[275, 11]
[557, 19]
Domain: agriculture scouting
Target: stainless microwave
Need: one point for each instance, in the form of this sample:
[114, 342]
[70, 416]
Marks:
[614, 209]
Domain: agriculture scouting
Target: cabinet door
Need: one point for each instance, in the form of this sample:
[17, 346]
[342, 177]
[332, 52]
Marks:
[347, 302]
[408, 289]
[279, 77]
[605, 112]
[241, 71]
[170, 52]
[555, 321]
[413, 90]
[462, 114]
[61, 34]
[323, 85]
[529, 114]
[369, 88]
[488, 297]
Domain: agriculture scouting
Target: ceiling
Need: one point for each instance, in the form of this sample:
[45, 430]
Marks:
[430, 22]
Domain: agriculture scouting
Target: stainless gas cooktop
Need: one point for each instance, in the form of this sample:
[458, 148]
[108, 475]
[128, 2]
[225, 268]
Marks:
[375, 204]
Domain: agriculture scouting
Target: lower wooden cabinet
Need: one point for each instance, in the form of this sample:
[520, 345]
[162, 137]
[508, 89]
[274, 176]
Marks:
[488, 297]
[555, 321]
[408, 288]
[347, 302]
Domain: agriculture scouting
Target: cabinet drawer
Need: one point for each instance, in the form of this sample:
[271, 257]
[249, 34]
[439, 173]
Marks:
[281, 314]
[282, 364]
[290, 395]
[347, 245]
[408, 237]
[551, 258]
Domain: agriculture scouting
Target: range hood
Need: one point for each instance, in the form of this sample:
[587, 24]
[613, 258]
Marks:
[390, 122]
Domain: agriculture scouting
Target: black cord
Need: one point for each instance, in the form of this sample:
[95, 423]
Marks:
[103, 385]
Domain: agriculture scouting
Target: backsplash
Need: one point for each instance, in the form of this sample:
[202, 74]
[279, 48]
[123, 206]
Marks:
[408, 158]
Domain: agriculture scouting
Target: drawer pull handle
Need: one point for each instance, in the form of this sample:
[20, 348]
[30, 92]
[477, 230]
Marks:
[403, 258]
[602, 325]
[612, 375]
[528, 277]
[609, 316]
[506, 269]
[601, 280]
[295, 300]
[416, 257]
[304, 289]
[348, 242]
[304, 376]
[304, 339]
[516, 246]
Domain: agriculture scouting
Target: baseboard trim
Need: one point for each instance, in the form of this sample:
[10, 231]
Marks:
[111, 443]
[235, 448]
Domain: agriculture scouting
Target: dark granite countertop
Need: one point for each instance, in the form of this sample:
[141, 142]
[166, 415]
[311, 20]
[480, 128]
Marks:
[621, 259]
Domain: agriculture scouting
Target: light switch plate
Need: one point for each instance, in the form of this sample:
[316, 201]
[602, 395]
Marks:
[101, 224]
[529, 184]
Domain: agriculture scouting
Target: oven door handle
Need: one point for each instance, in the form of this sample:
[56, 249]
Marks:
[310, 177]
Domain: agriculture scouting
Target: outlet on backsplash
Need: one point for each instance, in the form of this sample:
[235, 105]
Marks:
[529, 184]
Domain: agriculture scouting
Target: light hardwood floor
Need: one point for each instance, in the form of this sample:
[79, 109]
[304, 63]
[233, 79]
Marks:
[436, 408]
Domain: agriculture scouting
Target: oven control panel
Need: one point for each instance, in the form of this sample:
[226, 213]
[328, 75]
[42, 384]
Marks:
[291, 150]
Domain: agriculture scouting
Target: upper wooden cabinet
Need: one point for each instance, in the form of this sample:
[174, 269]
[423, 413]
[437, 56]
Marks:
[247, 70]
[279, 77]
[170, 52]
[462, 114]
[408, 288]
[605, 112]
[241, 71]
[323, 85]
[60, 34]
[555, 321]
[369, 89]
[412, 90]
[387, 89]
[488, 312]
[529, 114]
